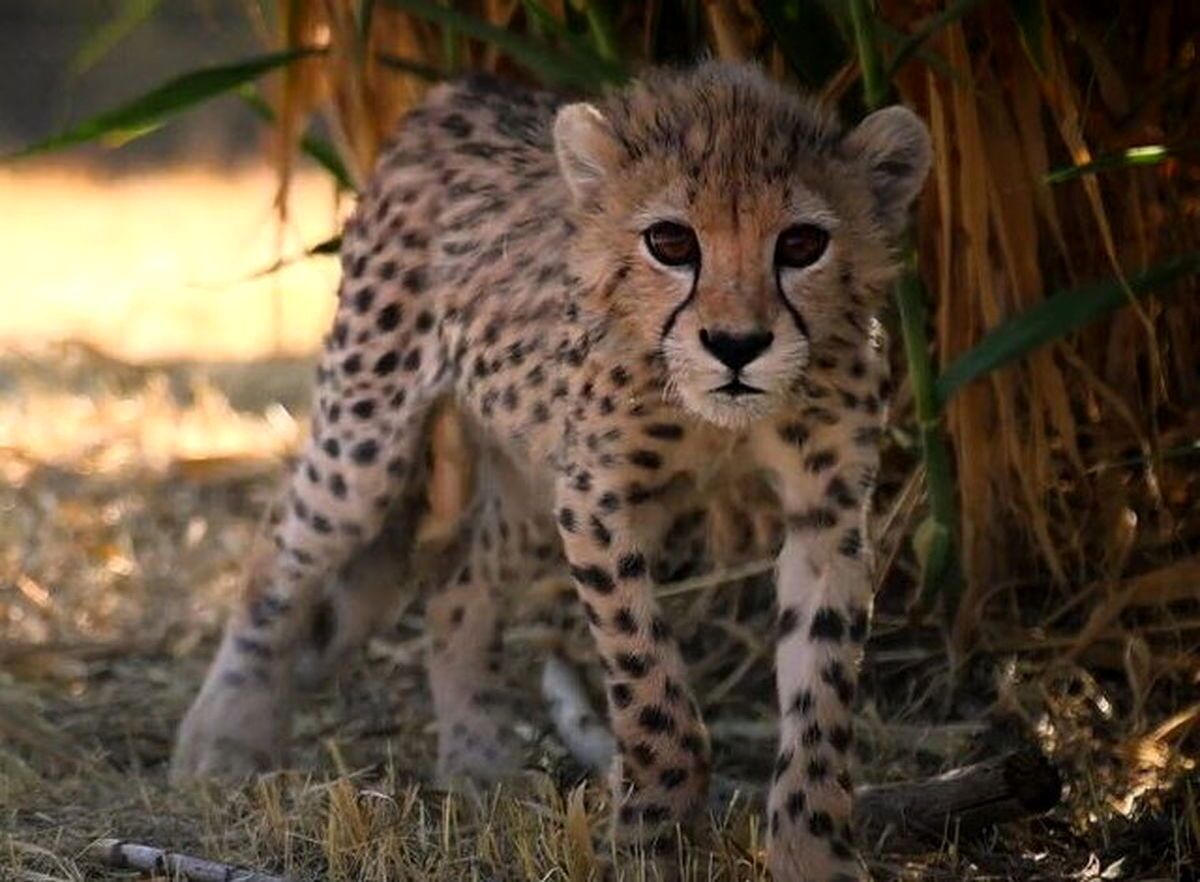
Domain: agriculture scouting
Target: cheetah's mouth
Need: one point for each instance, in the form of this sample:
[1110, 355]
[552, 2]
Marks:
[735, 388]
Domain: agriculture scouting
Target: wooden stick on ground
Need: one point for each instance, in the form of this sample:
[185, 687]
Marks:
[130, 855]
[966, 800]
[961, 802]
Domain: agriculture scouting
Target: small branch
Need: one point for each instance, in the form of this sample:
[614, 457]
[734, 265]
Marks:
[148, 859]
[963, 802]
[722, 576]
[966, 800]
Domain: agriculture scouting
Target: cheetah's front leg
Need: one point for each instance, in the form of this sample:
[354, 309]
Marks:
[824, 599]
[661, 769]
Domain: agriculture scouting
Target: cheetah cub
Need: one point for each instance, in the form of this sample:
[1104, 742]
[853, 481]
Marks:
[628, 304]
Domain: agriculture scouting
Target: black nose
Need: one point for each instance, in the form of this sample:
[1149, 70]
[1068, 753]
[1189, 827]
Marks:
[735, 351]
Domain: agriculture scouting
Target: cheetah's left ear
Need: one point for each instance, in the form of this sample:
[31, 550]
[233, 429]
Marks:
[585, 147]
[894, 143]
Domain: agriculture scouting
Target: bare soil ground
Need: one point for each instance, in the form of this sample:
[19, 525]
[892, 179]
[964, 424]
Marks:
[130, 488]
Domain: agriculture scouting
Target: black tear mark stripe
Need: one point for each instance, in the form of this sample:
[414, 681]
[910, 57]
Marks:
[801, 325]
[669, 324]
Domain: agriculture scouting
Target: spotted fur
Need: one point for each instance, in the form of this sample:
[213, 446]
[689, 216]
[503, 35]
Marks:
[502, 265]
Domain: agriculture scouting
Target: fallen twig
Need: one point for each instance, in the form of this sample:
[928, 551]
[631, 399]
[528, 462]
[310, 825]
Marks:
[148, 859]
[963, 801]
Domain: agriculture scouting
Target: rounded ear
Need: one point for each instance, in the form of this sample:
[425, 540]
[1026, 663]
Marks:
[585, 147]
[895, 146]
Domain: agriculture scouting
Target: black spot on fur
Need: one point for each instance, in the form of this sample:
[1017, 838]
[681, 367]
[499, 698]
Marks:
[633, 664]
[820, 460]
[646, 459]
[815, 518]
[859, 621]
[654, 719]
[827, 624]
[365, 452]
[802, 703]
[622, 695]
[788, 619]
[566, 519]
[388, 317]
[820, 824]
[631, 566]
[672, 777]
[385, 364]
[594, 577]
[795, 434]
[624, 621]
[795, 804]
[664, 431]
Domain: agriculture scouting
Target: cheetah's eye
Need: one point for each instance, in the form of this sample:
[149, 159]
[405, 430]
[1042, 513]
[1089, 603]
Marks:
[801, 246]
[672, 244]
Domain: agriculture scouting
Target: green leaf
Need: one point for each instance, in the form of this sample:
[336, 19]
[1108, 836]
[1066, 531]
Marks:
[1032, 23]
[933, 60]
[148, 112]
[328, 247]
[101, 42]
[600, 27]
[318, 150]
[933, 546]
[404, 65]
[808, 37]
[870, 62]
[579, 47]
[1134, 157]
[916, 40]
[1054, 318]
[547, 64]
[332, 245]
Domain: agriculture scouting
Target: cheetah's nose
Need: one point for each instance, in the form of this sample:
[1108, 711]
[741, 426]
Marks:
[735, 351]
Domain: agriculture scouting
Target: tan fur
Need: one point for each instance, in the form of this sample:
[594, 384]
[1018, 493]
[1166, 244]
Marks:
[616, 407]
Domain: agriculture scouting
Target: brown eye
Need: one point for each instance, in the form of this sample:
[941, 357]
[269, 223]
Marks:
[801, 245]
[672, 244]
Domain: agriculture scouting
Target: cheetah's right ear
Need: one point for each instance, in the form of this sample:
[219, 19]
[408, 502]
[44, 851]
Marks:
[585, 147]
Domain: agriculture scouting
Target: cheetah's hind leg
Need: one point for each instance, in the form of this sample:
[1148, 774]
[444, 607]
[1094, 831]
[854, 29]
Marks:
[371, 592]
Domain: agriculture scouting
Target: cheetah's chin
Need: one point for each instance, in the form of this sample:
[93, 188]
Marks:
[734, 410]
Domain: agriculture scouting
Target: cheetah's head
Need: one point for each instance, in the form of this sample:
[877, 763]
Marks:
[736, 230]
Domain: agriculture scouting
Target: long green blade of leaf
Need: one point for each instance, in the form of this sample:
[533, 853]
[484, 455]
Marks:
[319, 151]
[947, 16]
[149, 111]
[101, 42]
[1134, 157]
[1054, 318]
[325, 248]
[547, 64]
[1033, 24]
[600, 27]
[809, 38]
[405, 65]
[544, 23]
[870, 62]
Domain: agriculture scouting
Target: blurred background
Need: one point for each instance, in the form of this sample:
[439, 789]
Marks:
[175, 178]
